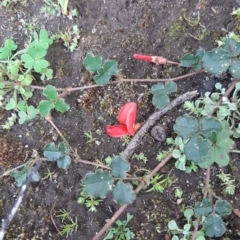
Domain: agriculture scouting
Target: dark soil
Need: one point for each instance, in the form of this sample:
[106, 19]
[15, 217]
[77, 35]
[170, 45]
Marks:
[114, 30]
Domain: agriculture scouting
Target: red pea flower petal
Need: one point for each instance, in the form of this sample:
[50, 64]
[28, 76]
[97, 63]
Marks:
[143, 57]
[125, 110]
[117, 131]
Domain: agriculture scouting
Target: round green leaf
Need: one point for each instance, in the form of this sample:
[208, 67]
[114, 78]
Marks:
[203, 208]
[51, 152]
[28, 60]
[235, 69]
[61, 106]
[232, 47]
[97, 184]
[158, 89]
[160, 100]
[11, 104]
[172, 225]
[171, 87]
[188, 60]
[92, 63]
[223, 207]
[214, 226]
[209, 125]
[40, 64]
[50, 92]
[123, 194]
[64, 161]
[119, 167]
[45, 107]
[37, 53]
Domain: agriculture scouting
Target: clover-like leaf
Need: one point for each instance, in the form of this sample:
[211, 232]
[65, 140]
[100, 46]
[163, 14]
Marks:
[232, 47]
[61, 106]
[214, 225]
[186, 126]
[36, 53]
[28, 60]
[6, 51]
[50, 92]
[209, 125]
[97, 184]
[172, 225]
[25, 79]
[92, 63]
[203, 208]
[123, 193]
[22, 175]
[11, 104]
[51, 152]
[234, 69]
[216, 61]
[223, 207]
[42, 41]
[40, 64]
[109, 68]
[196, 148]
[158, 88]
[188, 60]
[45, 107]
[119, 167]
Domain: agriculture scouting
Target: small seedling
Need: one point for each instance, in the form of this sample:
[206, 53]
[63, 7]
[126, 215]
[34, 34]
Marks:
[178, 193]
[140, 157]
[89, 136]
[63, 215]
[126, 140]
[89, 202]
[49, 175]
[228, 183]
[120, 232]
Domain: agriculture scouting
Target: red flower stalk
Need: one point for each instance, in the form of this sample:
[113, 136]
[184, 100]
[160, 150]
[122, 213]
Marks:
[126, 118]
[153, 59]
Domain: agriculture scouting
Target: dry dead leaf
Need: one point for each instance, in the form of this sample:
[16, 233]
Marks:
[236, 212]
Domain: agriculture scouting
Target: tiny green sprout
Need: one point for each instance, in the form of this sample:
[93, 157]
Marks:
[121, 231]
[74, 12]
[88, 201]
[108, 160]
[228, 183]
[178, 193]
[140, 157]
[236, 12]
[126, 140]
[50, 7]
[49, 175]
[68, 228]
[89, 136]
[63, 214]
[162, 155]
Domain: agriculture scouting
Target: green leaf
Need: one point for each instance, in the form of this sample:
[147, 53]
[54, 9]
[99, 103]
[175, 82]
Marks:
[223, 207]
[43, 41]
[51, 152]
[40, 64]
[158, 89]
[63, 148]
[172, 225]
[171, 87]
[216, 61]
[36, 53]
[186, 126]
[92, 63]
[50, 92]
[6, 51]
[203, 208]
[11, 104]
[61, 106]
[188, 60]
[209, 125]
[232, 47]
[188, 213]
[22, 106]
[123, 194]
[25, 79]
[21, 176]
[45, 107]
[160, 100]
[214, 226]
[196, 148]
[27, 60]
[22, 117]
[64, 161]
[97, 184]
[119, 167]
[104, 74]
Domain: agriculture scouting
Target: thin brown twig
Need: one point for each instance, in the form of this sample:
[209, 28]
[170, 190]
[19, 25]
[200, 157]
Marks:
[53, 221]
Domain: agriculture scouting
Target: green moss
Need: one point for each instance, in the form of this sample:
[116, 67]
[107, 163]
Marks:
[177, 30]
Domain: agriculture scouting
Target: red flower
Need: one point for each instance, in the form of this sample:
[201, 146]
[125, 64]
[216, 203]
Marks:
[126, 118]
[153, 59]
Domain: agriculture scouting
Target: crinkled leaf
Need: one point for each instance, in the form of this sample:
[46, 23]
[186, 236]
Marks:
[158, 89]
[214, 226]
[209, 125]
[186, 126]
[223, 207]
[160, 100]
[123, 193]
[51, 152]
[92, 63]
[45, 107]
[119, 167]
[63, 148]
[203, 208]
[98, 184]
[216, 61]
[50, 92]
[21, 176]
[61, 106]
[196, 148]
[170, 87]
[109, 68]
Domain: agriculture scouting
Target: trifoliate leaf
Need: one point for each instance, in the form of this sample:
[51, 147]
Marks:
[170, 87]
[160, 100]
[119, 167]
[51, 152]
[158, 89]
[61, 106]
[209, 125]
[45, 107]
[97, 184]
[64, 161]
[6, 51]
[11, 104]
[50, 92]
[123, 193]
